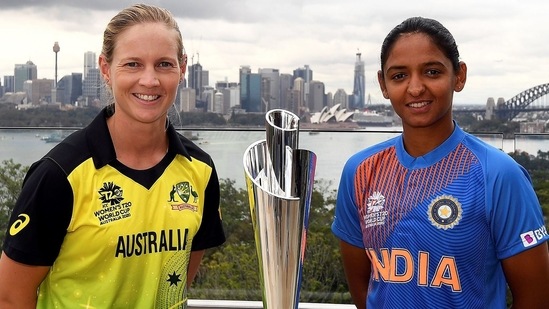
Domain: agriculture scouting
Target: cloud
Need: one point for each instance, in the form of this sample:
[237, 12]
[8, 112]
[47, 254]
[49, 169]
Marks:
[503, 42]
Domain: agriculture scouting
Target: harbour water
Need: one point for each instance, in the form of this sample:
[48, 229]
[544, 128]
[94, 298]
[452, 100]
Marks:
[332, 148]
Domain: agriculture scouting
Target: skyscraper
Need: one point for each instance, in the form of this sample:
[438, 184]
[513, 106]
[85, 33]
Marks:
[297, 102]
[270, 90]
[8, 83]
[90, 62]
[250, 91]
[286, 81]
[307, 75]
[359, 85]
[341, 97]
[22, 73]
[91, 85]
[316, 96]
[69, 88]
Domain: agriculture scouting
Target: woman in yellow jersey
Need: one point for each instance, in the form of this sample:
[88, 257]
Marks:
[119, 214]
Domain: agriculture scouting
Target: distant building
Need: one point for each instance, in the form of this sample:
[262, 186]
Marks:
[22, 73]
[250, 91]
[187, 100]
[225, 84]
[208, 97]
[40, 91]
[341, 98]
[90, 63]
[358, 97]
[198, 78]
[286, 81]
[307, 75]
[298, 98]
[316, 96]
[9, 83]
[91, 86]
[69, 88]
[533, 127]
[231, 98]
[270, 88]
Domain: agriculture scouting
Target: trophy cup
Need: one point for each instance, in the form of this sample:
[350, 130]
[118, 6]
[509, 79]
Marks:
[279, 180]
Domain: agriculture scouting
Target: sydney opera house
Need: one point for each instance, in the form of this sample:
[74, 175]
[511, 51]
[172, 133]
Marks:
[334, 114]
[337, 115]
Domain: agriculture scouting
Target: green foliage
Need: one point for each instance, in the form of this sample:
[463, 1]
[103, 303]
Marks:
[11, 180]
[538, 168]
[202, 119]
[508, 128]
[232, 270]
[46, 117]
[247, 119]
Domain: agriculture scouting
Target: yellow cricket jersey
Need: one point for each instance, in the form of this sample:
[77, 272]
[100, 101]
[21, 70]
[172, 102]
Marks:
[115, 237]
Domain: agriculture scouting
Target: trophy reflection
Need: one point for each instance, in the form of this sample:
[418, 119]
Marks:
[279, 179]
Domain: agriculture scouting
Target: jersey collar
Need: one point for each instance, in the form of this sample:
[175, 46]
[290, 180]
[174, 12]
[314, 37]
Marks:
[102, 147]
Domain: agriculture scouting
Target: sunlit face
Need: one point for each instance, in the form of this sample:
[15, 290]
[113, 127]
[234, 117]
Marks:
[420, 82]
[144, 73]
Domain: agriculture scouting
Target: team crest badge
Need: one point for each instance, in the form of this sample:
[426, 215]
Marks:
[182, 196]
[444, 212]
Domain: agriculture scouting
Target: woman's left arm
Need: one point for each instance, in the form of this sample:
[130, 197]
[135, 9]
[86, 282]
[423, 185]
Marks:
[527, 274]
[194, 263]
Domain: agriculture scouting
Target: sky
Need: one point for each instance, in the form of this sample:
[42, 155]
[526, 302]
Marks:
[505, 43]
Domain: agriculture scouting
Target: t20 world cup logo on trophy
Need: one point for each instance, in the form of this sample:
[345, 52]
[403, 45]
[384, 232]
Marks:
[280, 179]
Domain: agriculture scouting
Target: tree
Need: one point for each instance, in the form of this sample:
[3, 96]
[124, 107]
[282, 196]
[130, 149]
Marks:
[11, 180]
[234, 266]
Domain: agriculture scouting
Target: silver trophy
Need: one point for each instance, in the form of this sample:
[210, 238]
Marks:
[280, 179]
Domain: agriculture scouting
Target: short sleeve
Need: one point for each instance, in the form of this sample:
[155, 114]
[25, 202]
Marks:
[41, 216]
[210, 234]
[515, 215]
[346, 224]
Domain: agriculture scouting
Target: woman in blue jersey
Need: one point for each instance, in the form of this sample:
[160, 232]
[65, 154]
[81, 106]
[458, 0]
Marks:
[436, 218]
[118, 215]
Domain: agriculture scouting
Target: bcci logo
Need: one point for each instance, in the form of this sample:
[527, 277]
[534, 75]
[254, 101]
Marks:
[444, 212]
[185, 192]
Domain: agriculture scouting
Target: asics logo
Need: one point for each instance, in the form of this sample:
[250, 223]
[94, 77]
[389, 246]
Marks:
[19, 224]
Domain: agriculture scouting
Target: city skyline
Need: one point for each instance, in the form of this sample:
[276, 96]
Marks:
[507, 57]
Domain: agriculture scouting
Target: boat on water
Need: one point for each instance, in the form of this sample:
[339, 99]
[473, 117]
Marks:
[372, 119]
[54, 138]
[190, 135]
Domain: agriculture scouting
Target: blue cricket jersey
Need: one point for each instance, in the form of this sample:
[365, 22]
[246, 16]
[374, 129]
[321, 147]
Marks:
[436, 227]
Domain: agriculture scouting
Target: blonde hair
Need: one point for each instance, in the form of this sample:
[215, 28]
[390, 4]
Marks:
[137, 14]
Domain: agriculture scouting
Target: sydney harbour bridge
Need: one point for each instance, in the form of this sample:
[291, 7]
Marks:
[529, 100]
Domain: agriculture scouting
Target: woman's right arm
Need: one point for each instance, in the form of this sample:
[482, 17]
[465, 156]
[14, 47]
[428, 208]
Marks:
[356, 265]
[19, 283]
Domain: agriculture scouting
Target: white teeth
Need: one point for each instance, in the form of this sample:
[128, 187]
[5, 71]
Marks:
[146, 97]
[417, 105]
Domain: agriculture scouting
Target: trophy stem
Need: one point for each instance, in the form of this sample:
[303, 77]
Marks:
[280, 179]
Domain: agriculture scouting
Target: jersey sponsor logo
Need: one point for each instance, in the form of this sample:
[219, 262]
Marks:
[375, 213]
[151, 242]
[19, 224]
[112, 206]
[182, 196]
[531, 238]
[398, 265]
[444, 212]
